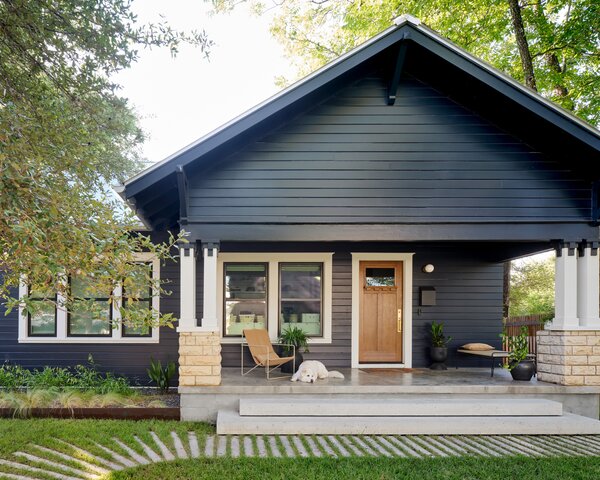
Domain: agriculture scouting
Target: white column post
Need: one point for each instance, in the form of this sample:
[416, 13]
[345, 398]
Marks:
[588, 286]
[565, 289]
[187, 299]
[210, 301]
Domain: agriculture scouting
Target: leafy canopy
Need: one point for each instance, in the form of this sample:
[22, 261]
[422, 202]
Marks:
[532, 287]
[563, 37]
[66, 135]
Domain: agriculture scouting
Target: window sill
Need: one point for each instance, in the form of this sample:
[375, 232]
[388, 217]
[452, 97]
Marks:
[91, 340]
[238, 340]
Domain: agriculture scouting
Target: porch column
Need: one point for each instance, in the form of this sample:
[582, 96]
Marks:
[588, 285]
[199, 346]
[569, 347]
[210, 300]
[187, 286]
[565, 288]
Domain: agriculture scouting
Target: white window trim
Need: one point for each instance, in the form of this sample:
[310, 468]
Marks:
[407, 279]
[117, 332]
[273, 260]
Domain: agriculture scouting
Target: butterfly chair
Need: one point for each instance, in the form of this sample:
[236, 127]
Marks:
[263, 354]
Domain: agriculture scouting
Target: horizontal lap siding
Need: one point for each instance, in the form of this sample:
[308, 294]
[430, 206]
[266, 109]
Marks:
[354, 159]
[122, 359]
[469, 303]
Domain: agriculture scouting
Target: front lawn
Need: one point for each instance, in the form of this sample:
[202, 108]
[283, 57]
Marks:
[85, 439]
[369, 468]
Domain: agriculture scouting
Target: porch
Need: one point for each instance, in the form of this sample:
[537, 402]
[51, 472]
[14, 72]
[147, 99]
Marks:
[203, 403]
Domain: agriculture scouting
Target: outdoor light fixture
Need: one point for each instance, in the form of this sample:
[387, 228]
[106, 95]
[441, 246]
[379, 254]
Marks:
[429, 268]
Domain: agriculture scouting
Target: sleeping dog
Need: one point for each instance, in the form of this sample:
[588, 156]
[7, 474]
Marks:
[310, 370]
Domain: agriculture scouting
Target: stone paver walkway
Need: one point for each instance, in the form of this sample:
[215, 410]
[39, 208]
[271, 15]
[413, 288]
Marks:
[68, 461]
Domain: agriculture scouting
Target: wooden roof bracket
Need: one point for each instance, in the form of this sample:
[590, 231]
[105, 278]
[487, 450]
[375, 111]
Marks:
[182, 188]
[393, 88]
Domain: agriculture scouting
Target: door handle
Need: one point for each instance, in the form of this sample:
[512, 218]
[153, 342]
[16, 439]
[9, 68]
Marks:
[399, 323]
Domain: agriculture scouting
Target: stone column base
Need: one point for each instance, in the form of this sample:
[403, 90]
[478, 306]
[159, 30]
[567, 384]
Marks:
[199, 359]
[569, 357]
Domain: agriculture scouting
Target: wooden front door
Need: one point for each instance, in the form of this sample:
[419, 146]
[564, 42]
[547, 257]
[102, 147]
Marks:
[380, 329]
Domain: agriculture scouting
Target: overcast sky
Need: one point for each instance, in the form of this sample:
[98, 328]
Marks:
[180, 99]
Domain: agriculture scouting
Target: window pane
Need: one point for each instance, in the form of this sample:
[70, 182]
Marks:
[43, 321]
[137, 285]
[300, 293]
[380, 277]
[90, 321]
[245, 297]
[81, 287]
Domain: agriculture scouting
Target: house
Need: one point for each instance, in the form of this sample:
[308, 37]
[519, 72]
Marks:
[322, 207]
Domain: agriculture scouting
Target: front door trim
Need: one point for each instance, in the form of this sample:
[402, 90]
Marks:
[406, 258]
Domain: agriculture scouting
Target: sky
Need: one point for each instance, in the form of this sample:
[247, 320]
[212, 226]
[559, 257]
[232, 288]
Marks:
[180, 99]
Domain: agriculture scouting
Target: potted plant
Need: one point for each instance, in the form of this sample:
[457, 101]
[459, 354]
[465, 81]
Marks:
[519, 364]
[297, 337]
[439, 346]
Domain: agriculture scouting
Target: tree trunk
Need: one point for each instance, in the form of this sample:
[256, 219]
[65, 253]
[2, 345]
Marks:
[523, 46]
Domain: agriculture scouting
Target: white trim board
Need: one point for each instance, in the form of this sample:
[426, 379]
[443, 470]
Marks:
[407, 277]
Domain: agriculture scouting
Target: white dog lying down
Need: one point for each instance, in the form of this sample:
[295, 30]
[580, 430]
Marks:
[310, 370]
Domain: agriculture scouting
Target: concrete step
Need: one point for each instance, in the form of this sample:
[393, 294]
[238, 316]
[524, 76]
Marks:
[230, 422]
[414, 406]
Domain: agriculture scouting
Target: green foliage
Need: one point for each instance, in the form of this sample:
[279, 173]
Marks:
[517, 346]
[65, 136]
[532, 288]
[294, 336]
[563, 37]
[438, 339]
[161, 375]
[81, 377]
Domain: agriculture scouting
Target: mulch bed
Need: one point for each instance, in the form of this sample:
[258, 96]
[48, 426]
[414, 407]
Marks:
[116, 413]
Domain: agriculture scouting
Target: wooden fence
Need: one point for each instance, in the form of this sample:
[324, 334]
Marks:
[534, 323]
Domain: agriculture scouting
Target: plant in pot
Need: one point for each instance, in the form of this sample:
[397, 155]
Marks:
[439, 346]
[521, 367]
[297, 337]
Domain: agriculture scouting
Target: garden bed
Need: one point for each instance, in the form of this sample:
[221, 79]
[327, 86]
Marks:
[102, 413]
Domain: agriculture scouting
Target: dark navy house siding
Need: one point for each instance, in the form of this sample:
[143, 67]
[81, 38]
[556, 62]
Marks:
[469, 298]
[354, 159]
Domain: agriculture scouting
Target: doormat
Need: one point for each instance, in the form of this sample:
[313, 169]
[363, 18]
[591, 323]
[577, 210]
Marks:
[390, 371]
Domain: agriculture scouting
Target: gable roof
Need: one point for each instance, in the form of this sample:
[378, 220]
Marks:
[406, 28]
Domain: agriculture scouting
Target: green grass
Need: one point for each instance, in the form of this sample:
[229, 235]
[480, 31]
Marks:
[376, 468]
[16, 434]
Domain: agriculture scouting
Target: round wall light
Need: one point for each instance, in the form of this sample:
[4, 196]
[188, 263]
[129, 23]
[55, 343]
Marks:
[429, 268]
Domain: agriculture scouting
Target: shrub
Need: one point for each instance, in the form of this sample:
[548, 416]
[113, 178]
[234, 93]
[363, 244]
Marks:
[81, 377]
[161, 375]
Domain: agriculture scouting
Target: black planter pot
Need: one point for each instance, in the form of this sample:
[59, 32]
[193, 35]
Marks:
[523, 371]
[438, 357]
[288, 367]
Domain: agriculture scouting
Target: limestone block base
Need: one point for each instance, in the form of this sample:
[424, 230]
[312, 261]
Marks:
[199, 359]
[569, 357]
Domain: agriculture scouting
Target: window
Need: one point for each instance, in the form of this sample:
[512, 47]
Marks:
[138, 287]
[91, 314]
[274, 291]
[380, 277]
[245, 297]
[92, 319]
[42, 322]
[300, 297]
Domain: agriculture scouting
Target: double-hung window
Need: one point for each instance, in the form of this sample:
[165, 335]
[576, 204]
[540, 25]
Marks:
[275, 291]
[92, 317]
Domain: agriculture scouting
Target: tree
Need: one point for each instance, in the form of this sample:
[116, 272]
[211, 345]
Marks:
[532, 287]
[552, 46]
[65, 136]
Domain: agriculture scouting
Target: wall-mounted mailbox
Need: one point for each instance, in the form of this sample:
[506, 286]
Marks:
[427, 295]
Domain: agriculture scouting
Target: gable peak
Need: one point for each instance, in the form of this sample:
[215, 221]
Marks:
[406, 18]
